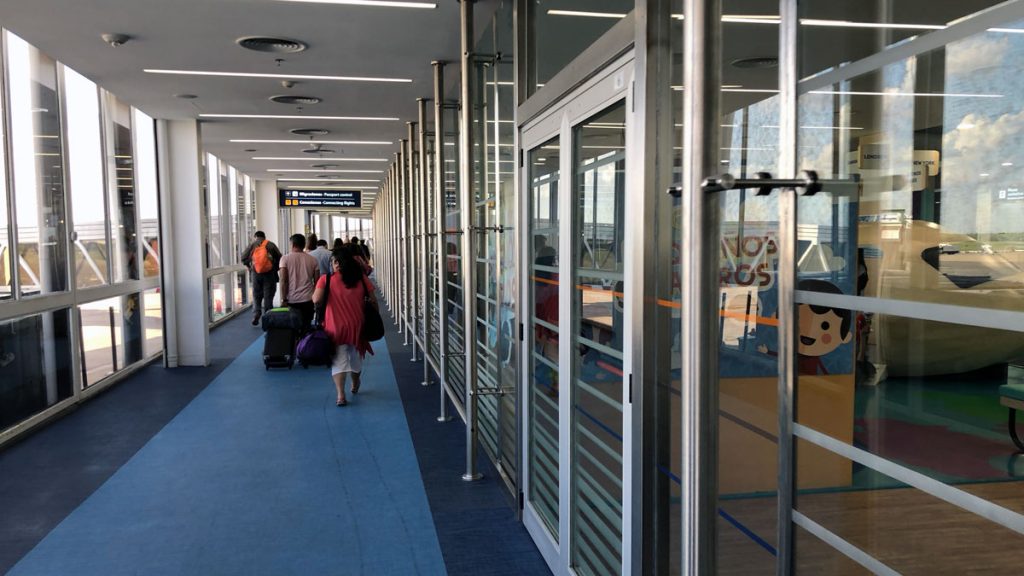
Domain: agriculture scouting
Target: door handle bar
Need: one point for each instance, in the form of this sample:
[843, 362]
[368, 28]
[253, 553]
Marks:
[808, 180]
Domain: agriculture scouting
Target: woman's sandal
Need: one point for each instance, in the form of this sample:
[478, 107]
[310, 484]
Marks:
[343, 402]
[355, 388]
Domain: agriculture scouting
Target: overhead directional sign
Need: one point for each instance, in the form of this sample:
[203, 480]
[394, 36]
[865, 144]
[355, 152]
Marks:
[301, 198]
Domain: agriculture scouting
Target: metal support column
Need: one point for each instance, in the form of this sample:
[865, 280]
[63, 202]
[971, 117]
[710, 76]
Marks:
[440, 211]
[424, 278]
[467, 194]
[787, 281]
[702, 77]
[412, 233]
[403, 233]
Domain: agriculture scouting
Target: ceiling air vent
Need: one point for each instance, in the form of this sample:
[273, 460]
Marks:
[759, 62]
[284, 99]
[310, 131]
[318, 150]
[271, 44]
[325, 166]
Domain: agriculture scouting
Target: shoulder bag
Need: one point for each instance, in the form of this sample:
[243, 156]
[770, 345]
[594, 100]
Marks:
[373, 325]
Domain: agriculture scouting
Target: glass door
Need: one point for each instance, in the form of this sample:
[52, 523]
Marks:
[577, 420]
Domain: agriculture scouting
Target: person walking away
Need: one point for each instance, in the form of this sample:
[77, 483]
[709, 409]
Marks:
[311, 242]
[343, 319]
[357, 254]
[365, 249]
[299, 272]
[338, 244]
[323, 257]
[263, 258]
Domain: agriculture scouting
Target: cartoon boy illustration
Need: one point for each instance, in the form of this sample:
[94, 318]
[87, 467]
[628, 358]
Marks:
[822, 330]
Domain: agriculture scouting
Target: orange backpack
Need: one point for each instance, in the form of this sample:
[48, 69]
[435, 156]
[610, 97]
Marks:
[261, 262]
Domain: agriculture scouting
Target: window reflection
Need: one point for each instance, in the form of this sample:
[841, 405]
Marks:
[121, 169]
[544, 415]
[561, 30]
[598, 303]
[925, 198]
[146, 182]
[36, 154]
[35, 365]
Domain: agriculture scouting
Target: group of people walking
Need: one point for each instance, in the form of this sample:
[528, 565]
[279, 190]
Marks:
[303, 275]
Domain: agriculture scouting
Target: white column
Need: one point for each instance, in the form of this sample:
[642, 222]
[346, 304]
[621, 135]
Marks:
[184, 270]
[298, 227]
[266, 209]
[325, 228]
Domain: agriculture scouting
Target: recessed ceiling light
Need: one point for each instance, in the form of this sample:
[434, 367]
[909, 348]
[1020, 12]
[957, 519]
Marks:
[279, 76]
[371, 142]
[288, 99]
[271, 44]
[297, 117]
[376, 3]
[310, 131]
[312, 159]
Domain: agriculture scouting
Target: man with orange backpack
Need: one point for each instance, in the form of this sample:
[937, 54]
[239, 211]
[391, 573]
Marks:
[262, 257]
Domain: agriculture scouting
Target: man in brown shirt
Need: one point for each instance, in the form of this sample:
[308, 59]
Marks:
[299, 272]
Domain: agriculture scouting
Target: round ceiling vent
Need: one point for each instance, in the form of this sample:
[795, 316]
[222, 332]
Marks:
[310, 131]
[285, 99]
[318, 150]
[759, 62]
[271, 44]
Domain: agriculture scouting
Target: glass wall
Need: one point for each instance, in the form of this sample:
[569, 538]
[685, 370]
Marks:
[560, 30]
[37, 162]
[82, 177]
[230, 225]
[87, 181]
[494, 211]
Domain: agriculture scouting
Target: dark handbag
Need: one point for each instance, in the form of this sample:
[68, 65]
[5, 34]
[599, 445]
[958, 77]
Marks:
[373, 324]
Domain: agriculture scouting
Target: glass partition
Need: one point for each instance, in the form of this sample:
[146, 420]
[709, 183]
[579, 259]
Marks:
[121, 168]
[599, 181]
[37, 160]
[8, 264]
[147, 192]
[560, 30]
[35, 365]
[86, 180]
[543, 443]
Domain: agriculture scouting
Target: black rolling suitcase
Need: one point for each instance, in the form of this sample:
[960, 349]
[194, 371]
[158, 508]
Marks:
[281, 327]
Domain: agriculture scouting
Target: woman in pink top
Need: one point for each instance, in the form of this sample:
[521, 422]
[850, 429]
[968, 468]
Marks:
[343, 318]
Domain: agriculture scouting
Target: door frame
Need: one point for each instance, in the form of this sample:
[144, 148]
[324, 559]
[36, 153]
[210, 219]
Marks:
[612, 84]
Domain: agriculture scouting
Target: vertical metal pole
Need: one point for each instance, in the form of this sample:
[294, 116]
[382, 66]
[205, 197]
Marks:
[702, 77]
[421, 269]
[441, 209]
[468, 238]
[788, 332]
[412, 201]
[403, 232]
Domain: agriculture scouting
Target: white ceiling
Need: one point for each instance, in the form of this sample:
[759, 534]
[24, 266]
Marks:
[201, 34]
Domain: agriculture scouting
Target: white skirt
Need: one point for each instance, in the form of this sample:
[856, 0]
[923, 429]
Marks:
[346, 359]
